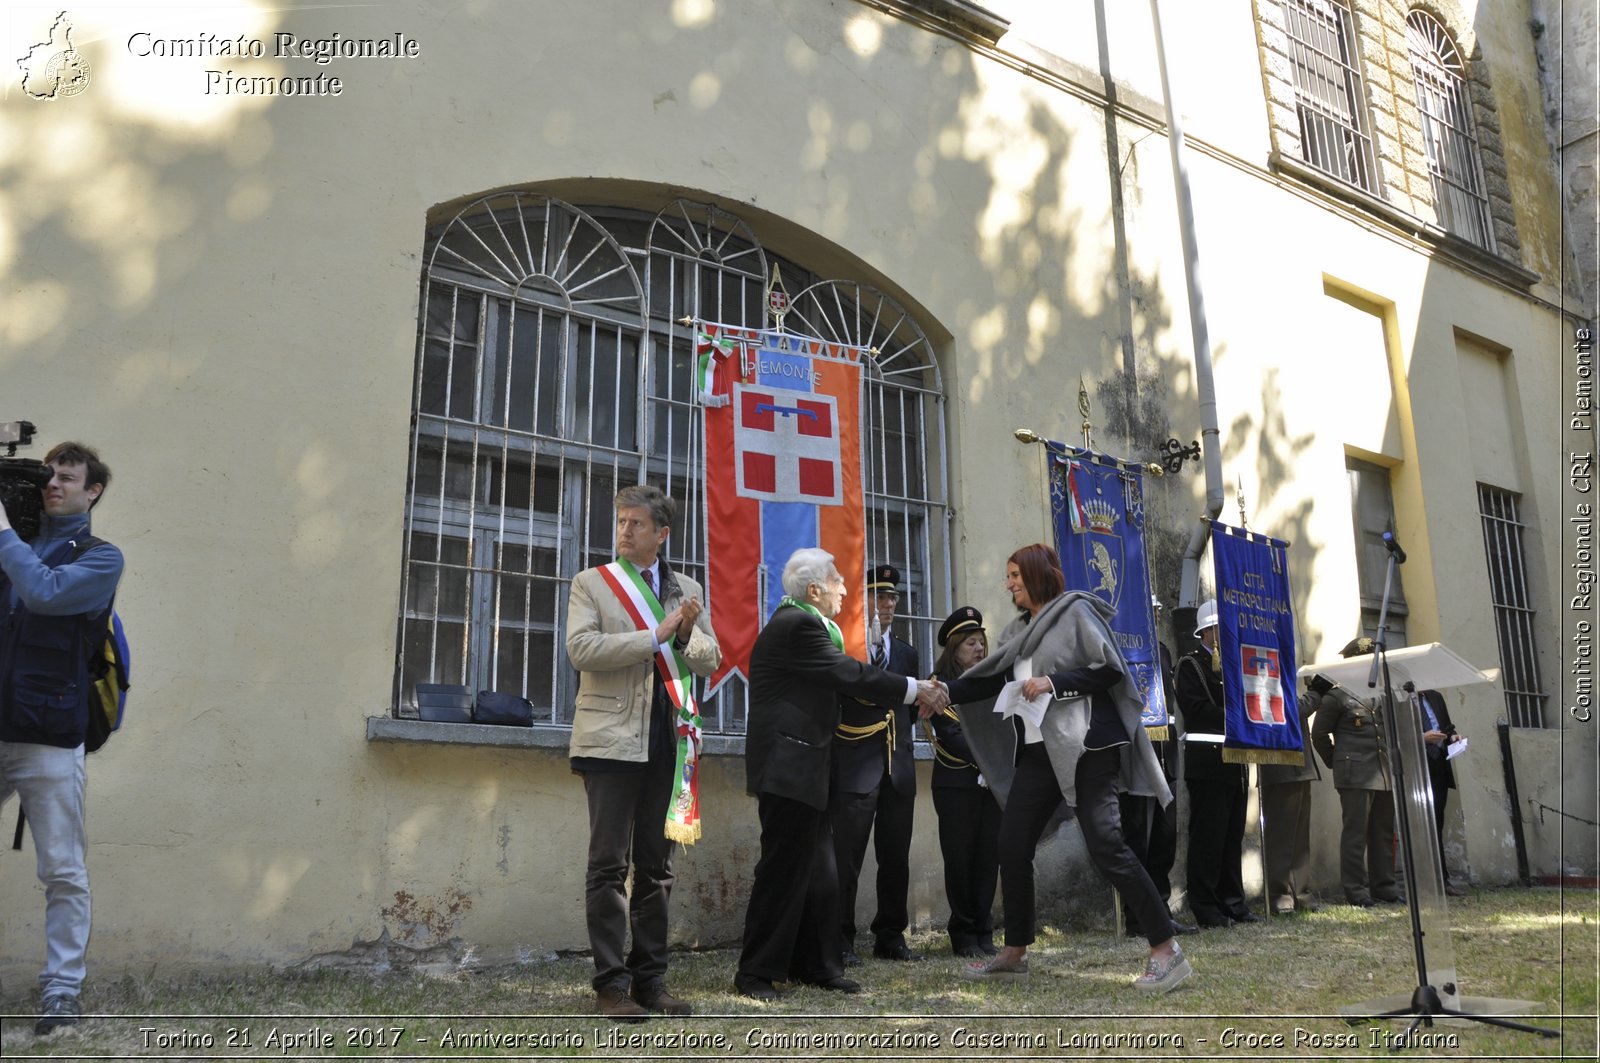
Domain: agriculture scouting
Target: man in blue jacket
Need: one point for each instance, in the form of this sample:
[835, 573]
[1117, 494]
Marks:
[53, 592]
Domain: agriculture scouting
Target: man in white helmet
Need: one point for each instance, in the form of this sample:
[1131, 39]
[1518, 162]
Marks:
[1217, 794]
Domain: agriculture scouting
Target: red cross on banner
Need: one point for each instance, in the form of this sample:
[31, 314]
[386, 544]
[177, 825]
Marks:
[786, 448]
[1263, 685]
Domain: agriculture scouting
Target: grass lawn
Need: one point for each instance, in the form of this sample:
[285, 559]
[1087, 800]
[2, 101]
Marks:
[1258, 992]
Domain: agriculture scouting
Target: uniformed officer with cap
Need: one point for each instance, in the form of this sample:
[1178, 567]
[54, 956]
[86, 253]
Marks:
[1348, 738]
[969, 814]
[875, 785]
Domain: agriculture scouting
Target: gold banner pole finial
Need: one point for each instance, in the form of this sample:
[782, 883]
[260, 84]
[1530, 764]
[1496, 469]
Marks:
[1083, 408]
[777, 299]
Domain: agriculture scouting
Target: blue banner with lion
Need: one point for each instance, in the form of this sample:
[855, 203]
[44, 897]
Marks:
[1097, 503]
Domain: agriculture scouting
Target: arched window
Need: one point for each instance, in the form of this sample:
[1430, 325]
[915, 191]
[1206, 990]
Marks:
[1447, 130]
[554, 366]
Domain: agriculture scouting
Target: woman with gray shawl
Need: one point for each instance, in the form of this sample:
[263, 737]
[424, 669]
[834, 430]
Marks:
[1088, 746]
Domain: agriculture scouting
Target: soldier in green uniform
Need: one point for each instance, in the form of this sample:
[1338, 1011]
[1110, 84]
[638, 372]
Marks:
[1348, 737]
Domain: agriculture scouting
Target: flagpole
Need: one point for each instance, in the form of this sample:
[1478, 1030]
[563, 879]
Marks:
[1210, 432]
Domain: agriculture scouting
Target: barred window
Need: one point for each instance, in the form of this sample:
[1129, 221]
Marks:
[1454, 161]
[554, 366]
[1329, 100]
[1514, 614]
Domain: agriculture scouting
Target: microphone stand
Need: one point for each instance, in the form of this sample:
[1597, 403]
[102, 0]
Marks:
[1425, 999]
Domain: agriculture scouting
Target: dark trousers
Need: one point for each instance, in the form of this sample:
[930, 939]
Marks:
[1366, 845]
[627, 820]
[791, 927]
[1216, 849]
[885, 813]
[1286, 843]
[1440, 781]
[1034, 798]
[969, 840]
[1152, 833]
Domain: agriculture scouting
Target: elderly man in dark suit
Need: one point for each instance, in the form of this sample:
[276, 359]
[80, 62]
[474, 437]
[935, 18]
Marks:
[875, 786]
[798, 670]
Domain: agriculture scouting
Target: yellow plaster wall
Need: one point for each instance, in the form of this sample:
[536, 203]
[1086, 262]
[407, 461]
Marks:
[222, 294]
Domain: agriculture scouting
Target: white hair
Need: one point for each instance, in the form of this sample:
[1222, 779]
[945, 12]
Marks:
[807, 566]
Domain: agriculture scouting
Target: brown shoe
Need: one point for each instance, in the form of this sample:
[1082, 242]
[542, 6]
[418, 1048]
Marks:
[616, 1005]
[654, 996]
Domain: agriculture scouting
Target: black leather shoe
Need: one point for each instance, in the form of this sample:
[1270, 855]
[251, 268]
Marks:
[986, 948]
[851, 959]
[1363, 902]
[837, 985]
[755, 988]
[1183, 928]
[1214, 922]
[968, 951]
[1246, 917]
[895, 950]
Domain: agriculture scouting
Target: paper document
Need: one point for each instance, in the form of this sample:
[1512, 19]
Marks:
[1455, 749]
[1013, 702]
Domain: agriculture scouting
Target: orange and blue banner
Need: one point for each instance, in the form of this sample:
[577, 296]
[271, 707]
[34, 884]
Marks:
[1255, 643]
[1098, 505]
[782, 472]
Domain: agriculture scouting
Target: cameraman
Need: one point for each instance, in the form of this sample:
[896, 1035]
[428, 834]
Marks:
[50, 596]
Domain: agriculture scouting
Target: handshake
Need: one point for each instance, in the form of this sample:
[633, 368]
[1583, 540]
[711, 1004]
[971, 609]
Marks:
[932, 696]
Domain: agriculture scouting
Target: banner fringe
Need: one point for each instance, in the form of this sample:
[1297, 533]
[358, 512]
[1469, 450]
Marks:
[1290, 757]
[682, 833]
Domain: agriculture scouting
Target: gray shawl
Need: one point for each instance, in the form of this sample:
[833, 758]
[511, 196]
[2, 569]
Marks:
[1070, 632]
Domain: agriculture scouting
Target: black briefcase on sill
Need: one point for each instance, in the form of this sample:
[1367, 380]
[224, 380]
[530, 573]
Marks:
[444, 703]
[502, 710]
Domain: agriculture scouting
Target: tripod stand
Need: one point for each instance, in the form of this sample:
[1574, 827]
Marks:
[1423, 667]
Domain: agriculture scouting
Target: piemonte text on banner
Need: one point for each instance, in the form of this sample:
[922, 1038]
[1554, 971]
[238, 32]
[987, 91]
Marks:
[783, 471]
[1098, 506]
[1255, 642]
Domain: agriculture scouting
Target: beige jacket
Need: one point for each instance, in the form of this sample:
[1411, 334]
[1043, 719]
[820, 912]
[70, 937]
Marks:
[616, 666]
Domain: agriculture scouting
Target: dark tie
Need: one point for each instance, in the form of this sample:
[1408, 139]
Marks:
[649, 579]
[877, 653]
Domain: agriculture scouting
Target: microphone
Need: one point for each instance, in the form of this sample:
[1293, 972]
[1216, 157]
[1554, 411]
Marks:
[1393, 546]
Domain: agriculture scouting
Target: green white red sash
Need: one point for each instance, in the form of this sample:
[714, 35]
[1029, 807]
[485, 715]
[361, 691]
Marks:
[646, 612]
[834, 633]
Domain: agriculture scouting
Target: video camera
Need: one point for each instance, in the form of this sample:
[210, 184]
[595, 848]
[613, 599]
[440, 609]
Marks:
[22, 480]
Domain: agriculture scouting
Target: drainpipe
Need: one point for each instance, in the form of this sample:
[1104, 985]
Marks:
[1210, 433]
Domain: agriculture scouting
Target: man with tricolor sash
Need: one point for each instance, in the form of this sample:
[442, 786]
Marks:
[637, 634]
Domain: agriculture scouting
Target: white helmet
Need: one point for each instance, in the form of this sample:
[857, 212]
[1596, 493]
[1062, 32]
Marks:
[1206, 616]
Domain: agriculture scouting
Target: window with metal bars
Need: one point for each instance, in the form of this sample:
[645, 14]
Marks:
[1454, 161]
[1514, 615]
[555, 365]
[1335, 136]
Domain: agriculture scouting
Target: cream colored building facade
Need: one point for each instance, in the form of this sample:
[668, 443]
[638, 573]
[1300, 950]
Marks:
[242, 299]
